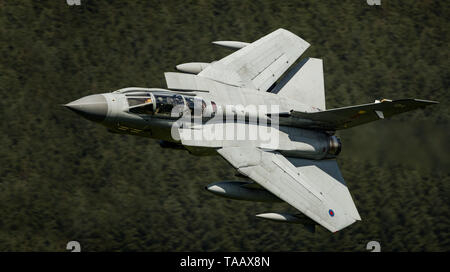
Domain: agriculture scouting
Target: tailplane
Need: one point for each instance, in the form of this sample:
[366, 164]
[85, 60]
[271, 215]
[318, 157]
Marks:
[304, 83]
[347, 117]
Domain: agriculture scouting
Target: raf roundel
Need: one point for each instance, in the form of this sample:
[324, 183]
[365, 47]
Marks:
[331, 212]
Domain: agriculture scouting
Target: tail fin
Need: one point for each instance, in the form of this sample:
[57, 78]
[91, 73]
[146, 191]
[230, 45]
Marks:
[304, 83]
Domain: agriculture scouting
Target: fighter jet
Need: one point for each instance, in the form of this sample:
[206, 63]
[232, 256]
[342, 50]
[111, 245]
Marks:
[265, 114]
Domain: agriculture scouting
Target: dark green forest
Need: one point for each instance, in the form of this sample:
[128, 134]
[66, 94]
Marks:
[64, 178]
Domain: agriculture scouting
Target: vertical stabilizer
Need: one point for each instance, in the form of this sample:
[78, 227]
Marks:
[304, 83]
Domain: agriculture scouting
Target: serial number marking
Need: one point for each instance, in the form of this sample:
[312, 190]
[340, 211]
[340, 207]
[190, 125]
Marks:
[247, 261]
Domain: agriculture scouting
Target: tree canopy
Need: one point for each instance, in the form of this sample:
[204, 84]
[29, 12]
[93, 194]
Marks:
[64, 178]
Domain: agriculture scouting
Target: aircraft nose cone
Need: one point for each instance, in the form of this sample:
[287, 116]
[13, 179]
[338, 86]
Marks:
[92, 107]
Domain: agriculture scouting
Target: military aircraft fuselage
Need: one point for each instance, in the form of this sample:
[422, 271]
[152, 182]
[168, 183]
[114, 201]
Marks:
[262, 112]
[151, 112]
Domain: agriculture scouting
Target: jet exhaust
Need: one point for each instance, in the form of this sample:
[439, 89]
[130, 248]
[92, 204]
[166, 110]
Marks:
[334, 146]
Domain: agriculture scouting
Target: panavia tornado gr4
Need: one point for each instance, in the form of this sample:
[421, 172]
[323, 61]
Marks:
[269, 123]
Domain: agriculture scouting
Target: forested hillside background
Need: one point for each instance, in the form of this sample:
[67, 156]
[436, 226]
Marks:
[64, 178]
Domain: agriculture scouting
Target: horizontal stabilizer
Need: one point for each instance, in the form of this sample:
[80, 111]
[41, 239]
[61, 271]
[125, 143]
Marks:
[347, 117]
[304, 83]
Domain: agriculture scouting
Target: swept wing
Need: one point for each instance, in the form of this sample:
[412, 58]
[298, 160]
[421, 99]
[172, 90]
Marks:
[259, 64]
[315, 188]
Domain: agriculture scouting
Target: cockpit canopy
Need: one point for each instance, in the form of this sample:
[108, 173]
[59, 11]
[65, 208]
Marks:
[165, 104]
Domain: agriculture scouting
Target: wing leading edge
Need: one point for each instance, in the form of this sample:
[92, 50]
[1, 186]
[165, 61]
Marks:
[317, 189]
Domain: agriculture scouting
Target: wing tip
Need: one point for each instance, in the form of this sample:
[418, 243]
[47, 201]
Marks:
[304, 43]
